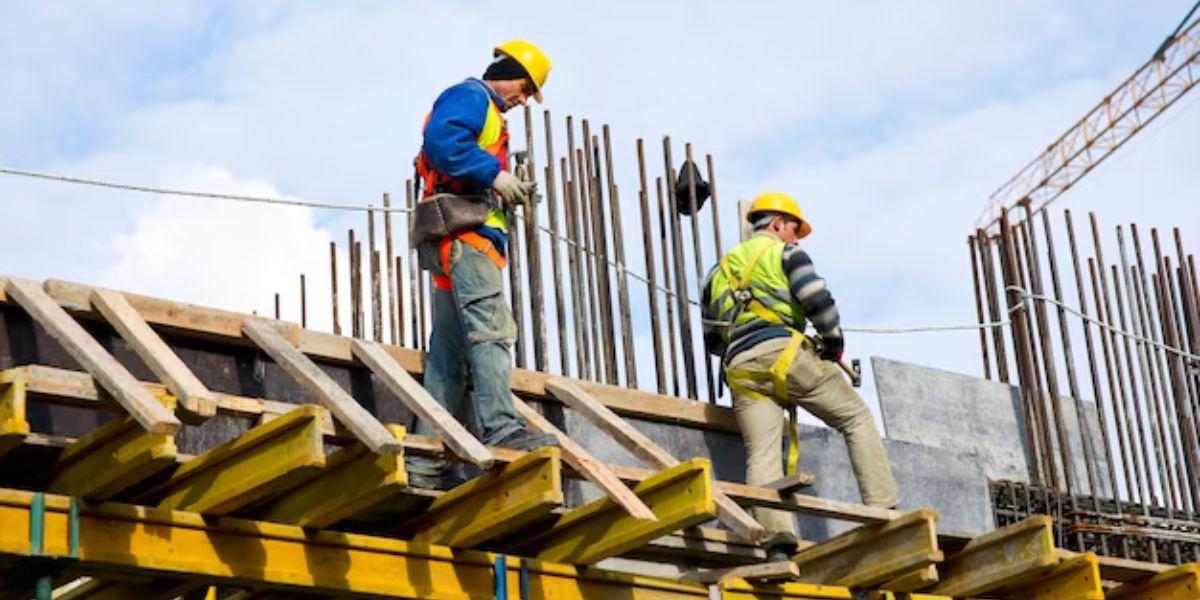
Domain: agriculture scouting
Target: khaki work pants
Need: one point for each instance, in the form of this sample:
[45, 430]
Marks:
[819, 387]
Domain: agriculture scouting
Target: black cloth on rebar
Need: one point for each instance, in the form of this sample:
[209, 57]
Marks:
[505, 67]
[683, 201]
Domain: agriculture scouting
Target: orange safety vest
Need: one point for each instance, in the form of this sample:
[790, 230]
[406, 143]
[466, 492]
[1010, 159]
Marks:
[493, 139]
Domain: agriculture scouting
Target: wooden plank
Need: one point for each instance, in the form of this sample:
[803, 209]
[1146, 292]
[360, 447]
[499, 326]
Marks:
[585, 464]
[1000, 558]
[196, 403]
[354, 480]
[14, 428]
[790, 483]
[1072, 579]
[107, 589]
[496, 503]
[344, 407]
[248, 469]
[112, 458]
[873, 554]
[680, 496]
[772, 571]
[115, 379]
[641, 446]
[1178, 583]
[460, 441]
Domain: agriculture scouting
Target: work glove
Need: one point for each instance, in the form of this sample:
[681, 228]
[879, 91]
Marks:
[832, 348]
[512, 190]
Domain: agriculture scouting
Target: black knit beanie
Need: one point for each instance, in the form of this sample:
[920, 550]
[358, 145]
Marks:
[505, 67]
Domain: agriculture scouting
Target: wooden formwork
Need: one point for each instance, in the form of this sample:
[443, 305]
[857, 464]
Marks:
[314, 499]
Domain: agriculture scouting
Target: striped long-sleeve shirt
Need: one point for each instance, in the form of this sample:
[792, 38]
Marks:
[807, 292]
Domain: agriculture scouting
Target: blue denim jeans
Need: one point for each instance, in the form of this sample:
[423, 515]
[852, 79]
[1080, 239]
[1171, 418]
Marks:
[473, 334]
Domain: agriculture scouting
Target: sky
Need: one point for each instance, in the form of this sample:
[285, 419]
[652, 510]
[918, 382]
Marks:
[891, 123]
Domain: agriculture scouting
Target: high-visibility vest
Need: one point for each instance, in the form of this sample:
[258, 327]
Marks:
[493, 139]
[750, 284]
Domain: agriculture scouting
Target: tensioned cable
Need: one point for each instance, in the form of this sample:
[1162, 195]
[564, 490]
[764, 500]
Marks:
[616, 265]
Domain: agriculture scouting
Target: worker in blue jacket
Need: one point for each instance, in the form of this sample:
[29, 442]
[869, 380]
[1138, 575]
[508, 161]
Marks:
[463, 169]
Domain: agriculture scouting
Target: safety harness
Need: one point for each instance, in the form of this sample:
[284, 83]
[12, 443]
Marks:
[472, 239]
[744, 299]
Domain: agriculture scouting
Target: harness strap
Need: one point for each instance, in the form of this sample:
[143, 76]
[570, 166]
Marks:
[472, 239]
[777, 376]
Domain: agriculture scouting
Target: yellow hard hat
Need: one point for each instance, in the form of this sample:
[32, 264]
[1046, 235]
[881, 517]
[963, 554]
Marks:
[779, 202]
[536, 63]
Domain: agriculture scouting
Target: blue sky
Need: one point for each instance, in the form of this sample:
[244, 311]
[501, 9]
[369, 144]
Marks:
[891, 122]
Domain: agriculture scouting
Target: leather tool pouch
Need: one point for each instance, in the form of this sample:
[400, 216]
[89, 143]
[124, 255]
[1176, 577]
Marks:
[444, 214]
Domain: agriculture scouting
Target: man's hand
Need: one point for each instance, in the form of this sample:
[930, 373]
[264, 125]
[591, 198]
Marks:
[832, 348]
[511, 189]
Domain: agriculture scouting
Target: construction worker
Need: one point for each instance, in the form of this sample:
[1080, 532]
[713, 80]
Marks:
[756, 303]
[460, 231]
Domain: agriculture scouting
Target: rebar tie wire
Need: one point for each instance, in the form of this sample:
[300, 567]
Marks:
[620, 267]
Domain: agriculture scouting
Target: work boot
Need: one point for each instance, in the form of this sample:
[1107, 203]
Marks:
[780, 546]
[523, 439]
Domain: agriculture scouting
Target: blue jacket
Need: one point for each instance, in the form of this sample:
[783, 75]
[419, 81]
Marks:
[454, 124]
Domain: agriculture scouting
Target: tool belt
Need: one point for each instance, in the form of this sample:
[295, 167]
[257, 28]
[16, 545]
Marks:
[738, 380]
[442, 215]
[472, 239]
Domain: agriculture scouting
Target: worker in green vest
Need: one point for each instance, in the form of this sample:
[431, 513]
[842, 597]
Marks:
[756, 303]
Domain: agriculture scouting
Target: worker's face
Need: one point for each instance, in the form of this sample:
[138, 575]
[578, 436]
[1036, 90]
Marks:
[515, 92]
[786, 229]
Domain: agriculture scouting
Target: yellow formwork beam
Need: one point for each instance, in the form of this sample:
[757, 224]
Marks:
[113, 458]
[252, 467]
[680, 496]
[153, 542]
[875, 554]
[1179, 583]
[496, 503]
[1003, 558]
[354, 479]
[13, 426]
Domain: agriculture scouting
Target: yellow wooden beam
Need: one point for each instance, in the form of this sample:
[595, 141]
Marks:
[1002, 558]
[1179, 583]
[873, 554]
[113, 458]
[496, 503]
[1076, 578]
[353, 480]
[680, 497]
[118, 538]
[913, 580]
[13, 426]
[252, 467]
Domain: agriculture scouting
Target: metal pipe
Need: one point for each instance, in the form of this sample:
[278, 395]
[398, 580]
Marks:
[989, 278]
[1132, 463]
[651, 287]
[983, 345]
[560, 313]
[614, 202]
[697, 259]
[664, 235]
[1018, 315]
[533, 251]
[391, 281]
[333, 292]
[681, 295]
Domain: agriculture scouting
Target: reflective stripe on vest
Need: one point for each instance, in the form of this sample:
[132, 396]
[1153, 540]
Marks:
[493, 139]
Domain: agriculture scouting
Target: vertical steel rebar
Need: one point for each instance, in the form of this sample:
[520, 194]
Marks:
[373, 275]
[1186, 396]
[533, 253]
[651, 287]
[391, 281]
[1093, 371]
[333, 287]
[614, 201]
[1042, 418]
[664, 234]
[596, 195]
[983, 345]
[355, 290]
[997, 316]
[582, 353]
[277, 312]
[1116, 384]
[400, 299]
[303, 303]
[1172, 394]
[1133, 357]
[718, 249]
[685, 321]
[587, 256]
[416, 280]
[515, 288]
[576, 202]
[697, 260]
[1018, 314]
[560, 312]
